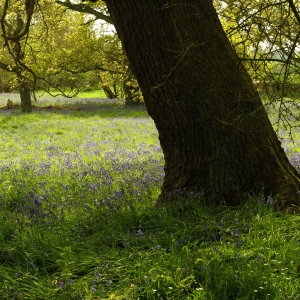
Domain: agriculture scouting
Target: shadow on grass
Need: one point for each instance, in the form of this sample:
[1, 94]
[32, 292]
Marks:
[82, 108]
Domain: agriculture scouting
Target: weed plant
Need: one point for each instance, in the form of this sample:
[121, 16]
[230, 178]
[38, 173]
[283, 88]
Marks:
[77, 218]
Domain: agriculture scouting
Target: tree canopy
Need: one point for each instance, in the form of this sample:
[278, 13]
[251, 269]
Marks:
[54, 51]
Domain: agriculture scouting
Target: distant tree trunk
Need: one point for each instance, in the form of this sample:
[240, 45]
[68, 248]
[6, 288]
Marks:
[213, 129]
[130, 91]
[108, 92]
[26, 105]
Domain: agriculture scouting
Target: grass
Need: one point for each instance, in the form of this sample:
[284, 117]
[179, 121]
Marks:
[92, 94]
[77, 190]
[44, 98]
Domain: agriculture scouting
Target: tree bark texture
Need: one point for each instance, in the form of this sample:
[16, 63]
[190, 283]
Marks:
[26, 104]
[213, 129]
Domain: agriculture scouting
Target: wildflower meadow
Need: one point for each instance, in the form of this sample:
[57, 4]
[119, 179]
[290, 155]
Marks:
[78, 220]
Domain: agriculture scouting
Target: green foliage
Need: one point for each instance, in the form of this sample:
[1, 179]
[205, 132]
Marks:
[265, 36]
[77, 190]
[48, 56]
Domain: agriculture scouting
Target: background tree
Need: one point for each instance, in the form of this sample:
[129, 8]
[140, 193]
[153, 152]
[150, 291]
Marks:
[21, 31]
[268, 41]
[56, 52]
[212, 125]
[15, 22]
[61, 57]
[118, 73]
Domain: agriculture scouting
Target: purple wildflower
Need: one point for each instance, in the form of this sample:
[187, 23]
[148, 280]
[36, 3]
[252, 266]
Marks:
[31, 211]
[139, 234]
[37, 201]
[108, 282]
[93, 288]
[270, 201]
[236, 221]
[179, 242]
[220, 224]
[234, 233]
[97, 274]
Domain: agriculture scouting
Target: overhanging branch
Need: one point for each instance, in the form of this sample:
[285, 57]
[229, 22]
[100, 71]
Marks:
[95, 68]
[84, 8]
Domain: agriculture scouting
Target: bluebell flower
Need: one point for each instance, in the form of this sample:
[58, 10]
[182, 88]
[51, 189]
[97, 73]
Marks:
[108, 282]
[234, 233]
[37, 201]
[270, 201]
[221, 223]
[31, 211]
[97, 274]
[179, 242]
[139, 234]
[93, 288]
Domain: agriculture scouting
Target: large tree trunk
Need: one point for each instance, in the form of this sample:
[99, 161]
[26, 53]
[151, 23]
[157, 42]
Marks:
[26, 105]
[213, 129]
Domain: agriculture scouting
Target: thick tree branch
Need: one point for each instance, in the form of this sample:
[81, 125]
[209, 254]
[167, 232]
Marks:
[294, 9]
[92, 69]
[86, 9]
[29, 8]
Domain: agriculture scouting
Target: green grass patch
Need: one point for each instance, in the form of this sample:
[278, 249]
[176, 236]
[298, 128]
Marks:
[77, 190]
[92, 93]
[44, 98]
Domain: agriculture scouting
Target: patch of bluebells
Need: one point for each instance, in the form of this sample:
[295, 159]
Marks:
[74, 193]
[294, 159]
[224, 232]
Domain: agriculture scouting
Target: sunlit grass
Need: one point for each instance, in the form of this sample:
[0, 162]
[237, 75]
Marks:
[92, 94]
[77, 190]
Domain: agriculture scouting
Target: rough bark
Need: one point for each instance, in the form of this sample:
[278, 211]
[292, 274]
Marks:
[213, 129]
[26, 104]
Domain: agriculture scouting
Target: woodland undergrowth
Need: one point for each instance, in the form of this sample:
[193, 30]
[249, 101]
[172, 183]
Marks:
[77, 191]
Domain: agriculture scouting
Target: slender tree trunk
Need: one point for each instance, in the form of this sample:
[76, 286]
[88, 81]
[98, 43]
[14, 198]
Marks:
[213, 129]
[130, 92]
[108, 92]
[26, 105]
